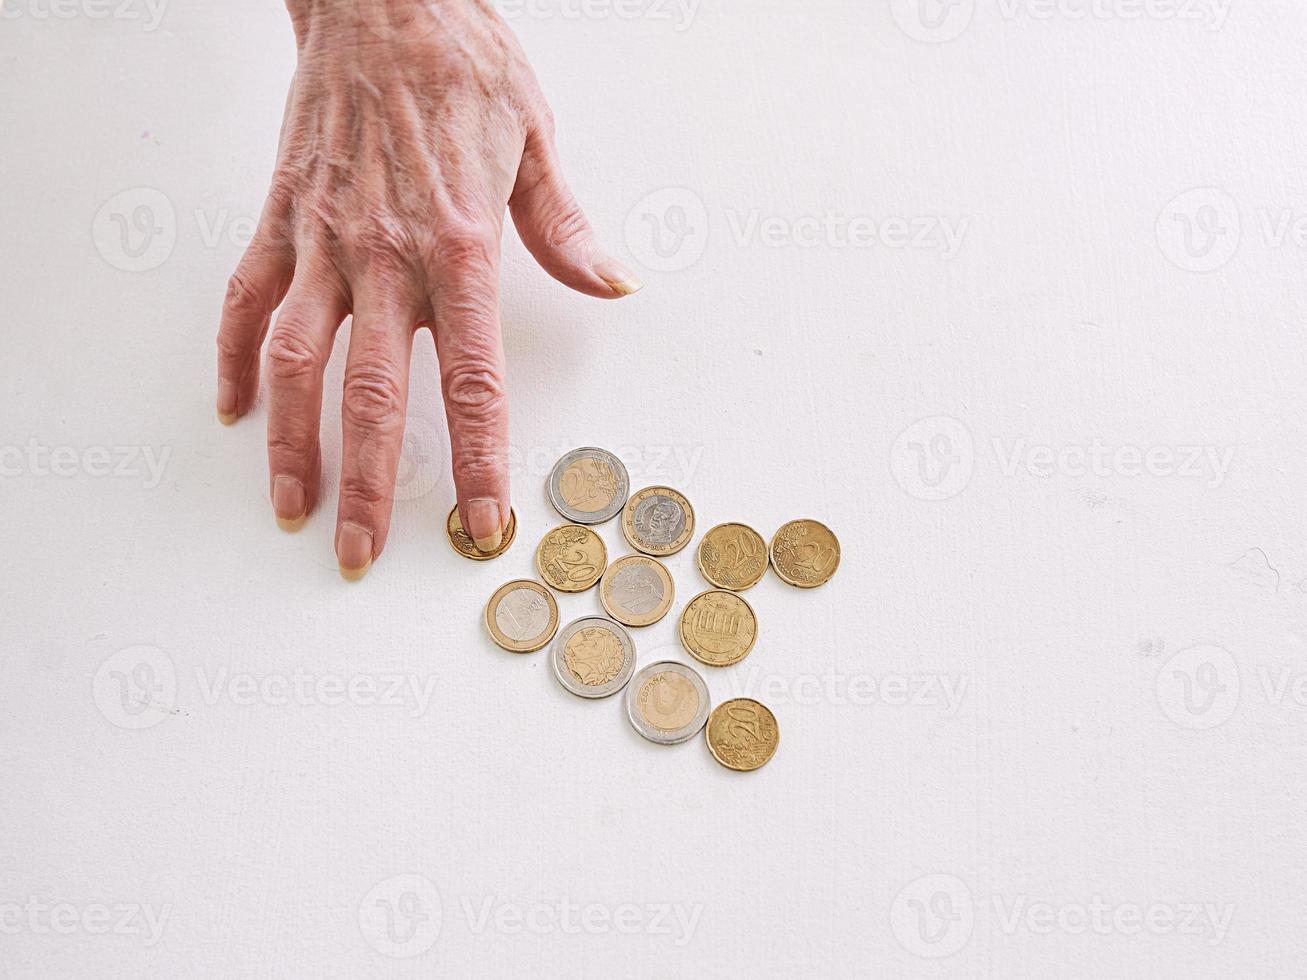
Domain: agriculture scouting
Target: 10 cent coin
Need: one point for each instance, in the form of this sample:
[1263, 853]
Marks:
[667, 702]
[718, 628]
[462, 541]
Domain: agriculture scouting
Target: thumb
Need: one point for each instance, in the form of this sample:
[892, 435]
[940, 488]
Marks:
[555, 229]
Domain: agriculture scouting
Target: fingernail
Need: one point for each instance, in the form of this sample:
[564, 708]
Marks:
[290, 502]
[483, 523]
[620, 279]
[226, 401]
[353, 551]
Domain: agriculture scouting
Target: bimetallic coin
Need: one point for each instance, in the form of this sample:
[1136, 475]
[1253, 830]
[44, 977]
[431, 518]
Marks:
[637, 591]
[732, 556]
[593, 657]
[571, 558]
[667, 702]
[462, 541]
[718, 628]
[742, 734]
[589, 486]
[522, 616]
[658, 521]
[805, 553]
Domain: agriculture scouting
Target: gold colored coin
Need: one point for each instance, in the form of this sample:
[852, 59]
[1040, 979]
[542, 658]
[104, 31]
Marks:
[658, 521]
[636, 590]
[571, 558]
[732, 556]
[462, 541]
[805, 553]
[718, 628]
[522, 616]
[742, 734]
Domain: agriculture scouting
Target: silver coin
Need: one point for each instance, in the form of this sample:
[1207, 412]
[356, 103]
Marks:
[589, 486]
[667, 702]
[593, 657]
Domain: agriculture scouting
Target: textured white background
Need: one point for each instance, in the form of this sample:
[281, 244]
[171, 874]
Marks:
[769, 375]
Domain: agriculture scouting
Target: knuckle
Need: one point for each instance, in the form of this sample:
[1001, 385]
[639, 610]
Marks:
[291, 355]
[378, 240]
[373, 398]
[569, 225]
[467, 248]
[243, 296]
[478, 463]
[363, 493]
[474, 388]
[230, 352]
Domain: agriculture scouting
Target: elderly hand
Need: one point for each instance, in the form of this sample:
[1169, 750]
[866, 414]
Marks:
[410, 126]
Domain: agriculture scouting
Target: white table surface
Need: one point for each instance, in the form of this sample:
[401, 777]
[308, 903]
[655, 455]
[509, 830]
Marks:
[1048, 719]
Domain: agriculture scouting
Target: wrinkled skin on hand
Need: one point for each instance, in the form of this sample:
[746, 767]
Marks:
[410, 127]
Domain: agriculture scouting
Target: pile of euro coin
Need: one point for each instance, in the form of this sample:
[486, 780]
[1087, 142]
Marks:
[595, 656]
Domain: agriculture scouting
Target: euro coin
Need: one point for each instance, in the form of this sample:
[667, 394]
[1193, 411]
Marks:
[805, 553]
[462, 541]
[718, 628]
[589, 486]
[636, 590]
[658, 521]
[522, 616]
[732, 556]
[571, 558]
[742, 734]
[667, 702]
[593, 657]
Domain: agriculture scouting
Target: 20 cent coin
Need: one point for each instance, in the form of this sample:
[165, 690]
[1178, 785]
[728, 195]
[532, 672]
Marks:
[732, 556]
[571, 558]
[742, 734]
[805, 553]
